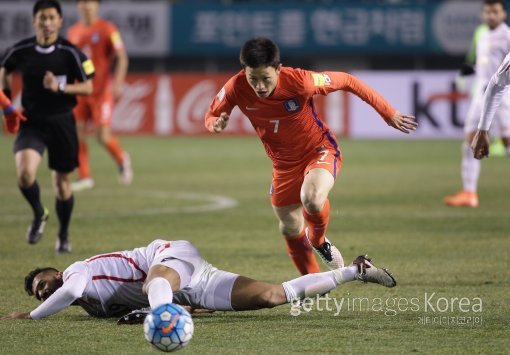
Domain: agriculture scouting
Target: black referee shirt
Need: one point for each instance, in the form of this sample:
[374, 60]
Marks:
[62, 58]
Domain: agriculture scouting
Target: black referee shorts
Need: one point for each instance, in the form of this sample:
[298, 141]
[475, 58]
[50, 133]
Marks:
[56, 132]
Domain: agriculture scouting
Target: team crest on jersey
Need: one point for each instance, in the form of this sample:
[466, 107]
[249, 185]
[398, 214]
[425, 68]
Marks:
[95, 38]
[291, 105]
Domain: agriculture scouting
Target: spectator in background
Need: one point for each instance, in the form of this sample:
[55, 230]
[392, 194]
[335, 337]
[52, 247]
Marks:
[53, 73]
[102, 42]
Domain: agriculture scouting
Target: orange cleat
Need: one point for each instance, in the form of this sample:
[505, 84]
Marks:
[462, 198]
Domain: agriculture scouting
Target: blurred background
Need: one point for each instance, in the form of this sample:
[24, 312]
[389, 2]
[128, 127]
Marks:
[181, 53]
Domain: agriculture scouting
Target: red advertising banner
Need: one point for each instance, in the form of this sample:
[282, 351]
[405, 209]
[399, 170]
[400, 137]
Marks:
[175, 104]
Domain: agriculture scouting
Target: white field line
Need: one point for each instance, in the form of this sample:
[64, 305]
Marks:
[204, 203]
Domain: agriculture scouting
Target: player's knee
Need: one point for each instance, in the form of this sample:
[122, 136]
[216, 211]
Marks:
[25, 178]
[103, 136]
[313, 201]
[62, 187]
[290, 229]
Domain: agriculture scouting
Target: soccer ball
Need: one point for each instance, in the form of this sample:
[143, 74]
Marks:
[168, 327]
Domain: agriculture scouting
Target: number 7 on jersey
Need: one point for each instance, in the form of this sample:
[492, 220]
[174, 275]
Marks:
[276, 125]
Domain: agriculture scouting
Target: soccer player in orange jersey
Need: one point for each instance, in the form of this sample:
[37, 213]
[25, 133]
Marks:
[306, 158]
[101, 41]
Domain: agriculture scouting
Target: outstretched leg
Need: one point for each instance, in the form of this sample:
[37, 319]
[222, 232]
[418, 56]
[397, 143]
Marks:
[248, 294]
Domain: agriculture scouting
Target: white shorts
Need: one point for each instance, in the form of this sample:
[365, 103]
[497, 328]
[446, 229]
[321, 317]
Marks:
[202, 285]
[501, 122]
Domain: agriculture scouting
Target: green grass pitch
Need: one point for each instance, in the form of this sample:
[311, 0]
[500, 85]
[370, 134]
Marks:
[387, 203]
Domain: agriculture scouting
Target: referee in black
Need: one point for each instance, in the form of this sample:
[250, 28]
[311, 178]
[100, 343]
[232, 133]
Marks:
[53, 72]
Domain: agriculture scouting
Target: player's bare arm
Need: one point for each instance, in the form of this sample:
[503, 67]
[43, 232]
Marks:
[221, 122]
[402, 122]
[120, 71]
[481, 144]
[51, 83]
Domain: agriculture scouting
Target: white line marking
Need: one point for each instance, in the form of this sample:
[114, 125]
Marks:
[205, 203]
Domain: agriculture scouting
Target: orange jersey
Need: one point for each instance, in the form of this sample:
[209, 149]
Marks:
[99, 42]
[286, 121]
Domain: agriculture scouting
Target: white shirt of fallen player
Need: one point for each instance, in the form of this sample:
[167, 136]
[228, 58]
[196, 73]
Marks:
[111, 284]
[491, 50]
[493, 96]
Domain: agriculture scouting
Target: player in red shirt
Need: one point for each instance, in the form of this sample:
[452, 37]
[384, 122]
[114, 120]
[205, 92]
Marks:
[306, 158]
[101, 41]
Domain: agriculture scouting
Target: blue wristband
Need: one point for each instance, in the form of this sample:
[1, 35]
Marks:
[8, 110]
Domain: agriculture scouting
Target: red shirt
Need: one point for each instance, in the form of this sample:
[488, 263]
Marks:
[99, 42]
[286, 121]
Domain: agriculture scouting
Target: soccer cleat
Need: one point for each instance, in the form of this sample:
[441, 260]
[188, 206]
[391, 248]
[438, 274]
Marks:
[36, 229]
[367, 272]
[135, 317]
[328, 253]
[62, 246]
[82, 184]
[462, 199]
[125, 170]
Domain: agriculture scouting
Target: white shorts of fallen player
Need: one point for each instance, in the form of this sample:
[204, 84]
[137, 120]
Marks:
[202, 285]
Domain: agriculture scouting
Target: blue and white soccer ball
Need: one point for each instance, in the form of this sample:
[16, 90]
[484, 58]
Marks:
[168, 327]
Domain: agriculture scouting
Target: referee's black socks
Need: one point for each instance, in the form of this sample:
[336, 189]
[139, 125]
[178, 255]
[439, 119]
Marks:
[33, 195]
[64, 210]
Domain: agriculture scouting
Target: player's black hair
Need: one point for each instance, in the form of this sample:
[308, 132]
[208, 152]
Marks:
[260, 52]
[29, 279]
[493, 2]
[47, 4]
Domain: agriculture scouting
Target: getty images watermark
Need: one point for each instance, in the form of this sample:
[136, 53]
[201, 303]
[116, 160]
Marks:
[430, 309]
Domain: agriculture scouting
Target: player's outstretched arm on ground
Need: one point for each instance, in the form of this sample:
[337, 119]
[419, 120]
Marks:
[481, 144]
[60, 299]
[16, 315]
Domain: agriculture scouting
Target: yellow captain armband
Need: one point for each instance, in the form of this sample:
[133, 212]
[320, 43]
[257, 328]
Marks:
[320, 79]
[88, 67]
[116, 40]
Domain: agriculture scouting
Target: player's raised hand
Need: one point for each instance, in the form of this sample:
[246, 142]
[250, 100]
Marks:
[12, 119]
[221, 122]
[481, 144]
[50, 82]
[402, 122]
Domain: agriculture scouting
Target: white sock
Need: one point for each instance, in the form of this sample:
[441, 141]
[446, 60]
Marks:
[159, 292]
[317, 284]
[470, 169]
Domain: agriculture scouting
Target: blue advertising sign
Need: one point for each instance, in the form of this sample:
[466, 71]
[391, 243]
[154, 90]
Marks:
[351, 28]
